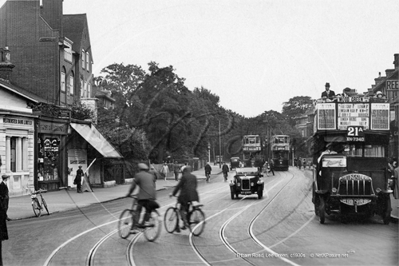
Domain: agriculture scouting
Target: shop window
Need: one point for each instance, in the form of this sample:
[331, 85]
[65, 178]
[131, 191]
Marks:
[18, 158]
[48, 158]
[13, 159]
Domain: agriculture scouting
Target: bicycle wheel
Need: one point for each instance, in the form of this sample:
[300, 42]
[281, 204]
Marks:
[36, 207]
[196, 221]
[45, 206]
[152, 231]
[125, 223]
[171, 219]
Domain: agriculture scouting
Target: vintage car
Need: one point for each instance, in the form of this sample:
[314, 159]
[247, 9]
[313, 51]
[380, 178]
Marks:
[247, 181]
[234, 162]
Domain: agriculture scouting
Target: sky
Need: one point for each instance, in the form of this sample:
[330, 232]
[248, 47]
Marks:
[254, 54]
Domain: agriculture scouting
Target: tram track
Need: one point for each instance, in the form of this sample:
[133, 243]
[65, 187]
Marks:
[201, 256]
[252, 222]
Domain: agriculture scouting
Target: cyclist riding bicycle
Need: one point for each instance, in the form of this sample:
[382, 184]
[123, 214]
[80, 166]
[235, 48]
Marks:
[188, 193]
[146, 196]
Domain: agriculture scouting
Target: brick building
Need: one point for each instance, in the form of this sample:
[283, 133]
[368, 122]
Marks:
[52, 59]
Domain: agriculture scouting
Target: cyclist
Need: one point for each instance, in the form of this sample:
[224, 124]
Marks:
[225, 170]
[188, 193]
[146, 196]
[208, 170]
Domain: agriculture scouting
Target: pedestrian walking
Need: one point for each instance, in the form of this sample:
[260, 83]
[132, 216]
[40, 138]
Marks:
[165, 170]
[176, 170]
[208, 170]
[299, 163]
[225, 170]
[272, 166]
[78, 179]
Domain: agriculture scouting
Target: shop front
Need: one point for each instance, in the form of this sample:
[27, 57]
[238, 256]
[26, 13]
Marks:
[16, 151]
[51, 153]
[102, 162]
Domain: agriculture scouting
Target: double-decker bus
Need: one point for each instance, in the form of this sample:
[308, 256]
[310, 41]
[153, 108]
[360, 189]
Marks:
[280, 151]
[252, 151]
[350, 146]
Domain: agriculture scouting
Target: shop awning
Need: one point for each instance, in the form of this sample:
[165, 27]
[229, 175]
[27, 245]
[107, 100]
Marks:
[95, 139]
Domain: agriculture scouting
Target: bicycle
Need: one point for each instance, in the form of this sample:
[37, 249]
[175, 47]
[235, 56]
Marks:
[127, 222]
[38, 205]
[195, 218]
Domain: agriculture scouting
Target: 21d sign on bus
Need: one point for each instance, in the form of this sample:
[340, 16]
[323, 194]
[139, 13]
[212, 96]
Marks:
[350, 145]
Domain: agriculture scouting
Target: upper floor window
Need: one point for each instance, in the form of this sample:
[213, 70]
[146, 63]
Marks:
[83, 56]
[87, 61]
[82, 88]
[88, 90]
[63, 71]
[67, 51]
[71, 84]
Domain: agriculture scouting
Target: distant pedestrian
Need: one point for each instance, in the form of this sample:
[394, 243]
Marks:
[78, 179]
[272, 166]
[165, 170]
[176, 170]
[299, 163]
[225, 170]
[208, 170]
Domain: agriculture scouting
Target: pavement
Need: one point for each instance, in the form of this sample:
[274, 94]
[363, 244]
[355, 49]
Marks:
[63, 200]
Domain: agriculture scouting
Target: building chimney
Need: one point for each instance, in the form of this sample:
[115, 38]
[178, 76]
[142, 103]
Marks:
[396, 61]
[52, 12]
[5, 64]
[388, 72]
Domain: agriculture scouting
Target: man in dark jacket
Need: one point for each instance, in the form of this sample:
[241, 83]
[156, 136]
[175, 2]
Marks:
[208, 170]
[146, 195]
[4, 197]
[225, 170]
[188, 193]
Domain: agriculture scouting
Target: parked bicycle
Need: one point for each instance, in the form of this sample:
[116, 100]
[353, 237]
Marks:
[38, 204]
[195, 218]
[127, 226]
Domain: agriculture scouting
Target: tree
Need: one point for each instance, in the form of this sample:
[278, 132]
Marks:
[296, 106]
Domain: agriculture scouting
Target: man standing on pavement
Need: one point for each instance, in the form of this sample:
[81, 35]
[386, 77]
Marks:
[3, 214]
[225, 170]
[188, 193]
[146, 196]
[78, 179]
[4, 196]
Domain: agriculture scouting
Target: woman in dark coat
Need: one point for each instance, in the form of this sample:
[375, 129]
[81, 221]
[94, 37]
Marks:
[188, 193]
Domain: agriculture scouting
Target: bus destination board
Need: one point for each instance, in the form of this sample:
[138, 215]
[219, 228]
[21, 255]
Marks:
[380, 116]
[353, 114]
[326, 116]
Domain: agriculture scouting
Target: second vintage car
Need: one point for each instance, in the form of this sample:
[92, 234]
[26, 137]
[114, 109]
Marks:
[247, 181]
